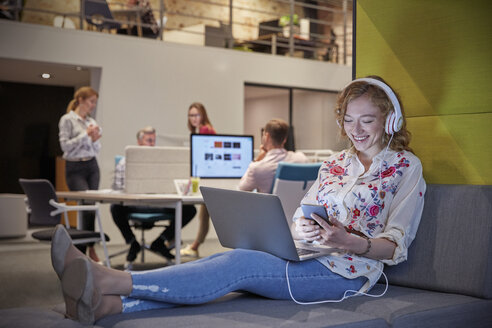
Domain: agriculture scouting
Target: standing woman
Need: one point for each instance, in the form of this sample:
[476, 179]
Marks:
[79, 139]
[198, 123]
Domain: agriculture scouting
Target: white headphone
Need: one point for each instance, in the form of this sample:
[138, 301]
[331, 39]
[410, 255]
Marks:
[394, 120]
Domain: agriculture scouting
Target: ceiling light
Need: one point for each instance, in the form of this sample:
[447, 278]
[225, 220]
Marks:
[46, 75]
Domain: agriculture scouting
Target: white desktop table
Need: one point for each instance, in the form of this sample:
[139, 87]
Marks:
[155, 200]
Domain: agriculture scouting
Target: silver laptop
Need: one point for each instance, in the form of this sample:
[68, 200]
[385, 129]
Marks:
[255, 221]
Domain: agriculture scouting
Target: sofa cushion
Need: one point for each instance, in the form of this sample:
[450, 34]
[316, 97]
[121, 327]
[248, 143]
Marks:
[35, 317]
[411, 307]
[476, 315]
[452, 251]
[245, 310]
[400, 307]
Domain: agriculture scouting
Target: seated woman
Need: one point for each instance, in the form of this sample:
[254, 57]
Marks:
[373, 193]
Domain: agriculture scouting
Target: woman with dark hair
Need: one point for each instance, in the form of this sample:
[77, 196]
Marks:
[198, 123]
[80, 141]
[373, 194]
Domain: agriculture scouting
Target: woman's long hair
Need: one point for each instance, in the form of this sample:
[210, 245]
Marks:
[82, 92]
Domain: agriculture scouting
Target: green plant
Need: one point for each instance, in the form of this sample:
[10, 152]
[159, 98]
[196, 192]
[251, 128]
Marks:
[243, 48]
[285, 20]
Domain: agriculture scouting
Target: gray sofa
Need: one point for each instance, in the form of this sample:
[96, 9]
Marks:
[447, 282]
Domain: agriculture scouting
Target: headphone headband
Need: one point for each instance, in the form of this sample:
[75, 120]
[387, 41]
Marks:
[394, 121]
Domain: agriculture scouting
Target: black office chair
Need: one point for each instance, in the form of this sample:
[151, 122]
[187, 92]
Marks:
[147, 221]
[45, 210]
[98, 14]
[143, 221]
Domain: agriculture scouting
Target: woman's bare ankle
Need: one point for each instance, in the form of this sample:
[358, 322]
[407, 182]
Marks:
[111, 281]
[110, 304]
[93, 255]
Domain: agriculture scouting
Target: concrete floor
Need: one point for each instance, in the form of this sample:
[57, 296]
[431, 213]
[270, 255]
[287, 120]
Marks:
[27, 277]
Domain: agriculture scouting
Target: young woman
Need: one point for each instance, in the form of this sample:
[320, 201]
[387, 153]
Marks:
[80, 141]
[198, 123]
[373, 193]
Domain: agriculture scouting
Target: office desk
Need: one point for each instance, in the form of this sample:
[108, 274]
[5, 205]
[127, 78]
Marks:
[155, 200]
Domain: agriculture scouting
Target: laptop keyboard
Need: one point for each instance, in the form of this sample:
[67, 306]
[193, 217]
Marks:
[303, 251]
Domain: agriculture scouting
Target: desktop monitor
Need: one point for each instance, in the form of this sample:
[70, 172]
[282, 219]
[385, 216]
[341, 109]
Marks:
[215, 156]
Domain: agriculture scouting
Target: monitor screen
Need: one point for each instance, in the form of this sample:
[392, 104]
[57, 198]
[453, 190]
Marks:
[220, 156]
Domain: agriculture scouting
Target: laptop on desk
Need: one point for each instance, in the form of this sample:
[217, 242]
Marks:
[255, 221]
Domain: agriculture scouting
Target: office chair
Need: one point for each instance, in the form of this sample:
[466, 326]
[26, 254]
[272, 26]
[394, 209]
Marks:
[291, 182]
[98, 14]
[142, 221]
[147, 221]
[45, 210]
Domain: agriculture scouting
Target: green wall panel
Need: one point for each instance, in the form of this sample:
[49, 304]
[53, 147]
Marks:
[437, 55]
[453, 148]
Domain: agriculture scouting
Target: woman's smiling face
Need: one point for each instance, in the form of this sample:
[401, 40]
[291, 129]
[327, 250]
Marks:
[364, 125]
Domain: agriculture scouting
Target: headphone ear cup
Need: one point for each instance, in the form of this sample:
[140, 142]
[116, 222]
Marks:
[398, 123]
[394, 120]
[389, 125]
[393, 123]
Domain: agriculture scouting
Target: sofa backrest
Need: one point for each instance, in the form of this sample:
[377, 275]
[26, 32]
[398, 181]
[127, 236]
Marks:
[452, 251]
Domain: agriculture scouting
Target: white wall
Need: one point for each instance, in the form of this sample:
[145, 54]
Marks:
[146, 81]
[314, 121]
[258, 111]
[313, 117]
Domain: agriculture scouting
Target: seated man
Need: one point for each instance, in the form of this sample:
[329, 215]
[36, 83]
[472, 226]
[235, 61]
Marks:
[145, 137]
[261, 172]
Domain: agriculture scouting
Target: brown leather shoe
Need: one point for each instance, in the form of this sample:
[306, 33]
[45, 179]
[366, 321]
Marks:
[81, 297]
[60, 243]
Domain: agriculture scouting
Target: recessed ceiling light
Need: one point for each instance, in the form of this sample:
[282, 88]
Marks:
[46, 75]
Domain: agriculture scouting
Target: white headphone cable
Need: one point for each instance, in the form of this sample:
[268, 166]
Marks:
[355, 292]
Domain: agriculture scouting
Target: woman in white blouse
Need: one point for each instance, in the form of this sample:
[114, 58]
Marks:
[79, 136]
[373, 193]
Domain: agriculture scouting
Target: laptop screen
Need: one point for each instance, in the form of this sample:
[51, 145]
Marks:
[220, 156]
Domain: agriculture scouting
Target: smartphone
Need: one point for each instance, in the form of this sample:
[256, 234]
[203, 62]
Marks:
[320, 210]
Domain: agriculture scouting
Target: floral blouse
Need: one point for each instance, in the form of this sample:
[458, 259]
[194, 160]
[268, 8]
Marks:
[74, 140]
[387, 205]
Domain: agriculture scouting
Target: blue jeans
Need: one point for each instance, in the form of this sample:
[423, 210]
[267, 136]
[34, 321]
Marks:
[256, 272]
